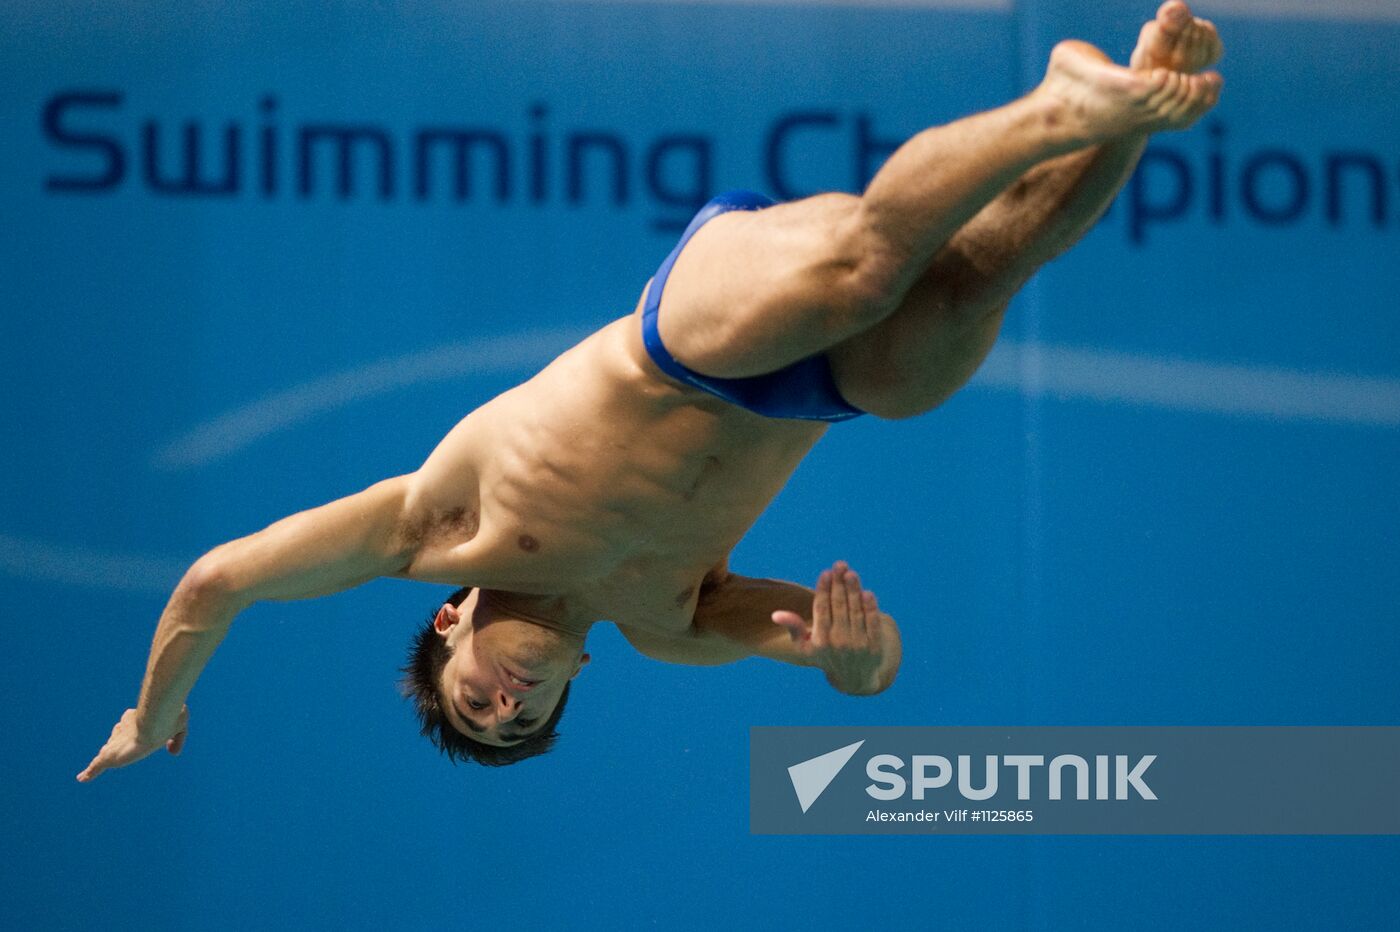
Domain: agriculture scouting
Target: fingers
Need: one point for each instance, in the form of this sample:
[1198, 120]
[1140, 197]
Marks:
[821, 609]
[850, 625]
[840, 606]
[794, 624]
[103, 760]
[855, 607]
[176, 744]
[872, 614]
[845, 615]
[92, 769]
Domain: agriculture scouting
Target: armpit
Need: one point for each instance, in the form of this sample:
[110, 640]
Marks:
[458, 524]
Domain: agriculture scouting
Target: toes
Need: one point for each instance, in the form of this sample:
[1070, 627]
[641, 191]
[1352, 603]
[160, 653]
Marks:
[1147, 39]
[1205, 45]
[1155, 89]
[1202, 94]
[1193, 102]
[1214, 84]
[1197, 46]
[1180, 107]
[1173, 16]
[1177, 40]
[1175, 104]
[1166, 86]
[1147, 35]
[1162, 78]
[1214, 47]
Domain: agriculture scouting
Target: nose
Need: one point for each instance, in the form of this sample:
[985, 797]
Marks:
[507, 706]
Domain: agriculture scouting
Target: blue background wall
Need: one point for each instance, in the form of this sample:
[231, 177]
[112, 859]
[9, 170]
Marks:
[1170, 497]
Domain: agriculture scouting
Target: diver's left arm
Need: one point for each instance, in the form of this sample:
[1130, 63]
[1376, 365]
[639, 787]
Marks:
[838, 629]
[316, 552]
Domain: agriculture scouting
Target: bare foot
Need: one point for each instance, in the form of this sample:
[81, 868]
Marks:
[1178, 41]
[1092, 100]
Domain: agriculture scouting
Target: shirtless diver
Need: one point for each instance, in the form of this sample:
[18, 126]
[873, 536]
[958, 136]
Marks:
[614, 484]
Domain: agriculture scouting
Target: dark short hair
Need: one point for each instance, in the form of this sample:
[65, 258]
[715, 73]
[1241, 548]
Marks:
[427, 656]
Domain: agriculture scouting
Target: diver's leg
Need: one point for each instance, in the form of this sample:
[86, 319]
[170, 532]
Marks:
[932, 344]
[755, 291]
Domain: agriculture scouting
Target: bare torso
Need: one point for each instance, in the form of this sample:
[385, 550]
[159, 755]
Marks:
[600, 489]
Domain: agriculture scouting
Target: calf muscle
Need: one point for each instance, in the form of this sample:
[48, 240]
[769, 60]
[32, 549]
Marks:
[915, 359]
[1035, 220]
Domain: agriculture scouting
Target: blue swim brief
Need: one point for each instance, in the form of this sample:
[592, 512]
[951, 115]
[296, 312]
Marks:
[803, 390]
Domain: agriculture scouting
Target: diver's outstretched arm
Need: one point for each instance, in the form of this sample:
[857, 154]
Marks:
[733, 620]
[312, 553]
[837, 628]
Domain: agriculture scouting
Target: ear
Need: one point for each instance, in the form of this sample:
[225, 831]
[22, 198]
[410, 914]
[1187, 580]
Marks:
[447, 616]
[582, 662]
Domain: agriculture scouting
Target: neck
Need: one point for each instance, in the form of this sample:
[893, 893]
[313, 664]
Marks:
[547, 611]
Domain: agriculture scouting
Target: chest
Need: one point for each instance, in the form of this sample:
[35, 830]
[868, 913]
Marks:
[647, 594]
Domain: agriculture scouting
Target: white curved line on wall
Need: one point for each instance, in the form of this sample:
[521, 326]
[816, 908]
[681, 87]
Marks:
[1073, 373]
[84, 566]
[233, 430]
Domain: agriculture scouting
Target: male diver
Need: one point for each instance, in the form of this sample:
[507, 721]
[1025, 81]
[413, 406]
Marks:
[614, 484]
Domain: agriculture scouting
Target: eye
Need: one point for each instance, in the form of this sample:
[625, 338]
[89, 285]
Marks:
[526, 722]
[476, 706]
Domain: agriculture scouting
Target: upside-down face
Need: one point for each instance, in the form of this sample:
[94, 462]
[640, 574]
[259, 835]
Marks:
[506, 674]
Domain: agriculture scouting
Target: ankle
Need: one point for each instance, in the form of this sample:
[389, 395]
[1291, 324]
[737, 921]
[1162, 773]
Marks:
[1049, 119]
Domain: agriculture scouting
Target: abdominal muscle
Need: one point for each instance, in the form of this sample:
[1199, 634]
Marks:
[604, 490]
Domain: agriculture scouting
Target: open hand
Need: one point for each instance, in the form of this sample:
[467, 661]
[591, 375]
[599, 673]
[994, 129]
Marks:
[849, 637]
[125, 746]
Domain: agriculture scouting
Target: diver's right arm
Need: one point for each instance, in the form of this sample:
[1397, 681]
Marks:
[316, 552]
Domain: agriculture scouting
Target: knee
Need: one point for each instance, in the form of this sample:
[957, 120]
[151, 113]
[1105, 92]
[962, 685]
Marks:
[965, 294]
[890, 396]
[900, 407]
[859, 303]
[865, 283]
